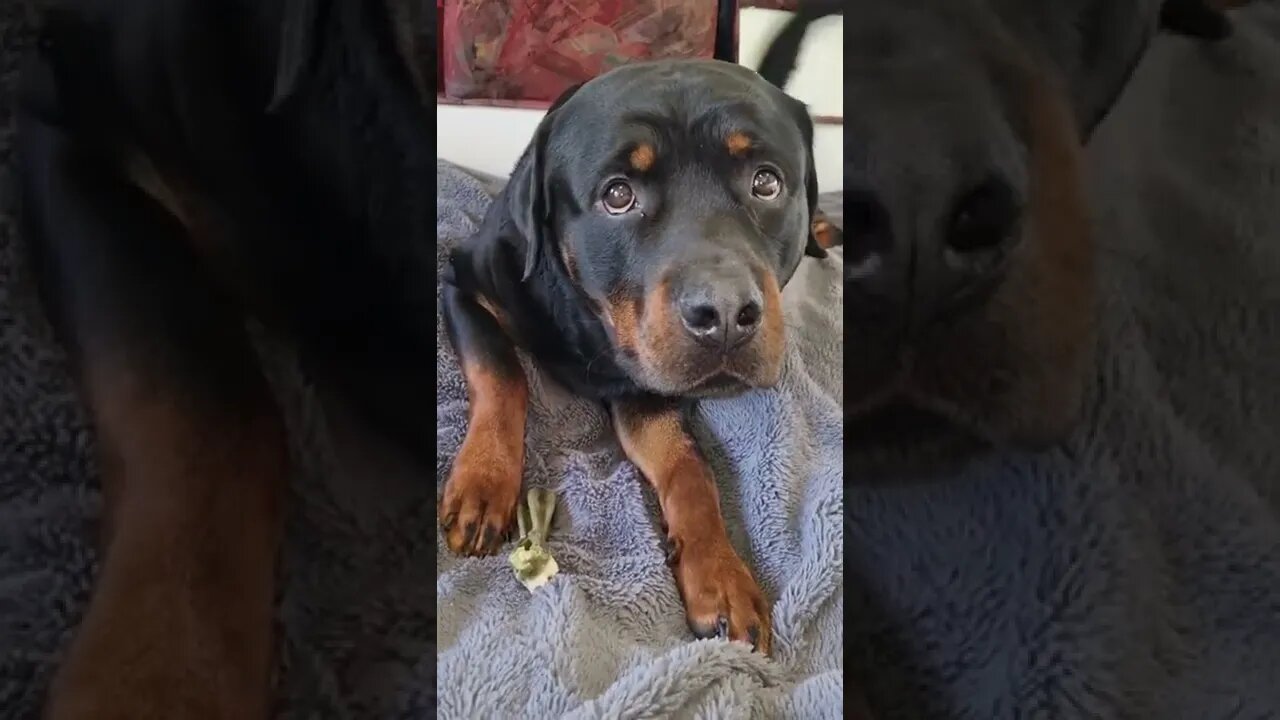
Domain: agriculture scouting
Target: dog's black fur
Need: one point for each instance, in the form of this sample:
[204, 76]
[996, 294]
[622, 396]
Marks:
[1195, 18]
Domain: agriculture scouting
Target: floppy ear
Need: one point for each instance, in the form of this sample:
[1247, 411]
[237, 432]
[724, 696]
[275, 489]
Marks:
[812, 247]
[1095, 45]
[299, 25]
[800, 113]
[1195, 18]
[525, 195]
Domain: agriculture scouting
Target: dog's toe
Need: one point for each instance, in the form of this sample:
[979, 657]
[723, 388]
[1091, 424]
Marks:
[721, 598]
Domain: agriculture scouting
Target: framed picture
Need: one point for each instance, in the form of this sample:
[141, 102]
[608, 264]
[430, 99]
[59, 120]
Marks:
[526, 52]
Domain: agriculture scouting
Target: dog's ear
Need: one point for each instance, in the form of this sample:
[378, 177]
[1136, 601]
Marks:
[812, 247]
[525, 196]
[800, 113]
[1095, 45]
[1195, 18]
[776, 67]
[299, 26]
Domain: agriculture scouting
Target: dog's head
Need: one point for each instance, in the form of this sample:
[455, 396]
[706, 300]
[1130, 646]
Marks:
[969, 266]
[677, 198]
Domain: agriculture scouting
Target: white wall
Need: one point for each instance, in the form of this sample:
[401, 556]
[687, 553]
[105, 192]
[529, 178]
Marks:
[491, 139]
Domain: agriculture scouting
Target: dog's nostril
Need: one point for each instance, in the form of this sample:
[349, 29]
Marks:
[985, 218]
[701, 318]
[722, 310]
[976, 241]
[749, 315]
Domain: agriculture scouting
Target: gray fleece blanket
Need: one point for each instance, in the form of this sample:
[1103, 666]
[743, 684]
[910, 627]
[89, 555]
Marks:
[607, 637]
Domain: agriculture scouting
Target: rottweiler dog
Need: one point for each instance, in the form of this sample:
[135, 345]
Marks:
[184, 165]
[638, 253]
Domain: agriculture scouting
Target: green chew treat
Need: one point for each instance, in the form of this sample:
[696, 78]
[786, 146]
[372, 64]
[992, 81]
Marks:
[532, 562]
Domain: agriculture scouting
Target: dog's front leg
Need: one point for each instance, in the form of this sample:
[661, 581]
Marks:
[720, 595]
[179, 625]
[192, 450]
[481, 494]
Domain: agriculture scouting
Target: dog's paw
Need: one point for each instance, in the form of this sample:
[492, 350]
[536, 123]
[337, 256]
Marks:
[721, 598]
[479, 506]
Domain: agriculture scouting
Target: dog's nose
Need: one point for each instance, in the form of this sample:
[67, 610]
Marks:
[720, 308]
[932, 277]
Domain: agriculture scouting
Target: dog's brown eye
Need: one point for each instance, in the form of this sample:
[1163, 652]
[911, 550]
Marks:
[618, 198]
[766, 185]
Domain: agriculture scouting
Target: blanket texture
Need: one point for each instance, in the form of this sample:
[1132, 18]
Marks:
[607, 638]
[1134, 573]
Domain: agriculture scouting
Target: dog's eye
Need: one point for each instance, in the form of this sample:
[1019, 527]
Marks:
[984, 218]
[618, 198]
[766, 184]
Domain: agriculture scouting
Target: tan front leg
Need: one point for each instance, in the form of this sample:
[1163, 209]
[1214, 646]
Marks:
[720, 595]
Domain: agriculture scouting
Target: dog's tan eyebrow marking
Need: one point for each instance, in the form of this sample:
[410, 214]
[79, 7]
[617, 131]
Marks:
[642, 157]
[738, 142]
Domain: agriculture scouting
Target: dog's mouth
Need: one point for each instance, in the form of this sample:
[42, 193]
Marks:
[897, 423]
[720, 381]
[721, 384]
[696, 372]
[902, 435]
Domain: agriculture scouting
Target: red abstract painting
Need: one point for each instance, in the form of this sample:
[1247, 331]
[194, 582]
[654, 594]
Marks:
[535, 49]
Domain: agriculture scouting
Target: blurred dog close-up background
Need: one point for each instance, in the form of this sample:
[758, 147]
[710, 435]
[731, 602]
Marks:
[935, 374]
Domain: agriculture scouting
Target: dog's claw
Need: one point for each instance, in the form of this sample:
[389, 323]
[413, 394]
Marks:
[722, 599]
[488, 542]
[477, 510]
[703, 632]
[469, 535]
[672, 551]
